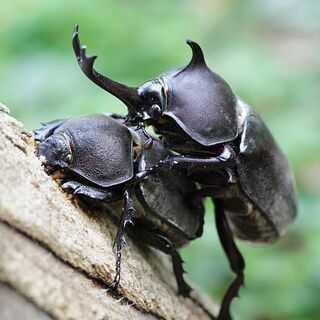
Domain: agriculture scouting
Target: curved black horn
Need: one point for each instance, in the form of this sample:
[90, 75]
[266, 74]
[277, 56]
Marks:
[128, 95]
[197, 54]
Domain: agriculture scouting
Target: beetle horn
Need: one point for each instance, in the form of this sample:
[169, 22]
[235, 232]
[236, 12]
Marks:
[197, 54]
[128, 95]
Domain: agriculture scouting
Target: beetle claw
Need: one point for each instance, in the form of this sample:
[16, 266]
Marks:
[231, 179]
[114, 285]
[148, 144]
[118, 242]
[128, 222]
[124, 241]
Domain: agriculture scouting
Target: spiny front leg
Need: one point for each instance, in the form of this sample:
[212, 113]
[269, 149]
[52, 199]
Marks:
[125, 219]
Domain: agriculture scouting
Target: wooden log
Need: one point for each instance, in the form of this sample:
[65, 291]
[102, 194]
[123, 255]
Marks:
[59, 254]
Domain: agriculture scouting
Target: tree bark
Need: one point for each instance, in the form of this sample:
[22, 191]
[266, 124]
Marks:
[58, 253]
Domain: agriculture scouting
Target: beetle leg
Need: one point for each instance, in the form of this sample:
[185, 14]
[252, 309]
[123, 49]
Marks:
[235, 258]
[160, 242]
[177, 262]
[165, 245]
[224, 161]
[78, 188]
[125, 219]
[47, 129]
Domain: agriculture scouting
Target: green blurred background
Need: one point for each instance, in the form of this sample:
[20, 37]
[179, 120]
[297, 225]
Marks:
[268, 51]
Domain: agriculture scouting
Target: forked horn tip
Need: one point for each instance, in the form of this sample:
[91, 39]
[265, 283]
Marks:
[75, 32]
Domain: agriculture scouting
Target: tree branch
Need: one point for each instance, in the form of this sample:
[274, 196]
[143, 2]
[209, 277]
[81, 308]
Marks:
[59, 254]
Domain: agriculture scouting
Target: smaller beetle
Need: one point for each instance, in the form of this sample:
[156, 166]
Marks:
[100, 158]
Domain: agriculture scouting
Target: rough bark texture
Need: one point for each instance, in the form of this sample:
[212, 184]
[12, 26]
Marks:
[59, 254]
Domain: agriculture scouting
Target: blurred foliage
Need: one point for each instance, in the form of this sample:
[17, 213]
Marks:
[268, 51]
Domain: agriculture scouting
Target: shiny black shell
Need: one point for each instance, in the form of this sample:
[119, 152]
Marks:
[200, 101]
[266, 184]
[102, 149]
[167, 195]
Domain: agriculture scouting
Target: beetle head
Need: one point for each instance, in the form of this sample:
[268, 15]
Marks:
[153, 96]
[55, 152]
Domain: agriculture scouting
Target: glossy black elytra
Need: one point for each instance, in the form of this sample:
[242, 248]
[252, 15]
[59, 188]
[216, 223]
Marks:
[222, 143]
[101, 159]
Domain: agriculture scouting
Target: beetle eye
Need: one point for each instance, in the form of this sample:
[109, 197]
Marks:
[151, 98]
[69, 158]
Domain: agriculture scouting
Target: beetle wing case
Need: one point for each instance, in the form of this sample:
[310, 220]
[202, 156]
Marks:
[201, 102]
[167, 196]
[100, 140]
[264, 172]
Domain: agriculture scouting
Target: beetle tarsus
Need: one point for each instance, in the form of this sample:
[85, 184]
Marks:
[231, 293]
[115, 283]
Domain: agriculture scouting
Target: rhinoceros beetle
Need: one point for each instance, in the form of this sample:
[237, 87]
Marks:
[222, 143]
[101, 158]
